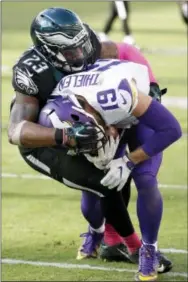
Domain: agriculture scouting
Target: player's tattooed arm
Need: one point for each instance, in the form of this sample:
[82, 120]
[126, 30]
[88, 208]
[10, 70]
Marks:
[23, 129]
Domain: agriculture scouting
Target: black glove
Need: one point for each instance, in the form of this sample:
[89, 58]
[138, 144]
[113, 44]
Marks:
[82, 138]
[156, 92]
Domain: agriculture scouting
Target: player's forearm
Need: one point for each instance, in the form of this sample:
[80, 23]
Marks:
[138, 156]
[31, 135]
[166, 128]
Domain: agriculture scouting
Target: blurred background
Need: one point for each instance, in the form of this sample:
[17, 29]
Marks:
[41, 219]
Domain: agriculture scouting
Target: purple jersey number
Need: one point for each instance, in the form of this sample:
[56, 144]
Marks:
[107, 99]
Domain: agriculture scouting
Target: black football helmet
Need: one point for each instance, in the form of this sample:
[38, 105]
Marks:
[62, 38]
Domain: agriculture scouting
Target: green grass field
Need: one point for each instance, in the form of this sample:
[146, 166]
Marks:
[41, 220]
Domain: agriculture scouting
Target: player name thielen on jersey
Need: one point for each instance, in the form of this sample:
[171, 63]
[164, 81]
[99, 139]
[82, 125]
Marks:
[108, 87]
[80, 80]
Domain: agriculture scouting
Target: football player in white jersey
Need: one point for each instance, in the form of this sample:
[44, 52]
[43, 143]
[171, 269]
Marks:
[115, 93]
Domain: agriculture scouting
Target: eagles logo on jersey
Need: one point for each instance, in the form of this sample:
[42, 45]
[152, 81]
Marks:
[24, 81]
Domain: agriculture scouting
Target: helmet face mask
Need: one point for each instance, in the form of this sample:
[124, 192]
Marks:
[52, 115]
[74, 57]
[62, 38]
[88, 109]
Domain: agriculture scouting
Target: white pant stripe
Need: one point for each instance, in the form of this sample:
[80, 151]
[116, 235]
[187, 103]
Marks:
[76, 186]
[39, 163]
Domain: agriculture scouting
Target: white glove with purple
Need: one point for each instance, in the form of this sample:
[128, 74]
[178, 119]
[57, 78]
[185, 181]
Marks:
[119, 171]
[105, 154]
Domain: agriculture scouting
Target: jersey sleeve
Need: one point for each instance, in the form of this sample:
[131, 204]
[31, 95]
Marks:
[138, 82]
[127, 95]
[141, 77]
[23, 81]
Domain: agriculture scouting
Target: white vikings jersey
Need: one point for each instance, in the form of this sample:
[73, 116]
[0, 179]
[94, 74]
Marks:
[108, 87]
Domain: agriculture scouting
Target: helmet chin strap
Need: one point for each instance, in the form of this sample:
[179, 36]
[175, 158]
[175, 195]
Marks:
[71, 69]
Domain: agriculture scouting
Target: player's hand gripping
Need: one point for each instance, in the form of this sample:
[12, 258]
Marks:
[80, 137]
[105, 153]
[119, 171]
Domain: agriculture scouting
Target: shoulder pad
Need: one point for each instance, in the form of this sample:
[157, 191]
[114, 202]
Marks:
[32, 75]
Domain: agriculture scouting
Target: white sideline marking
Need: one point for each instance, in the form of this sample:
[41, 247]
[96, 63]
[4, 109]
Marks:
[25, 176]
[174, 251]
[166, 51]
[81, 266]
[5, 69]
[175, 102]
[172, 102]
[38, 176]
